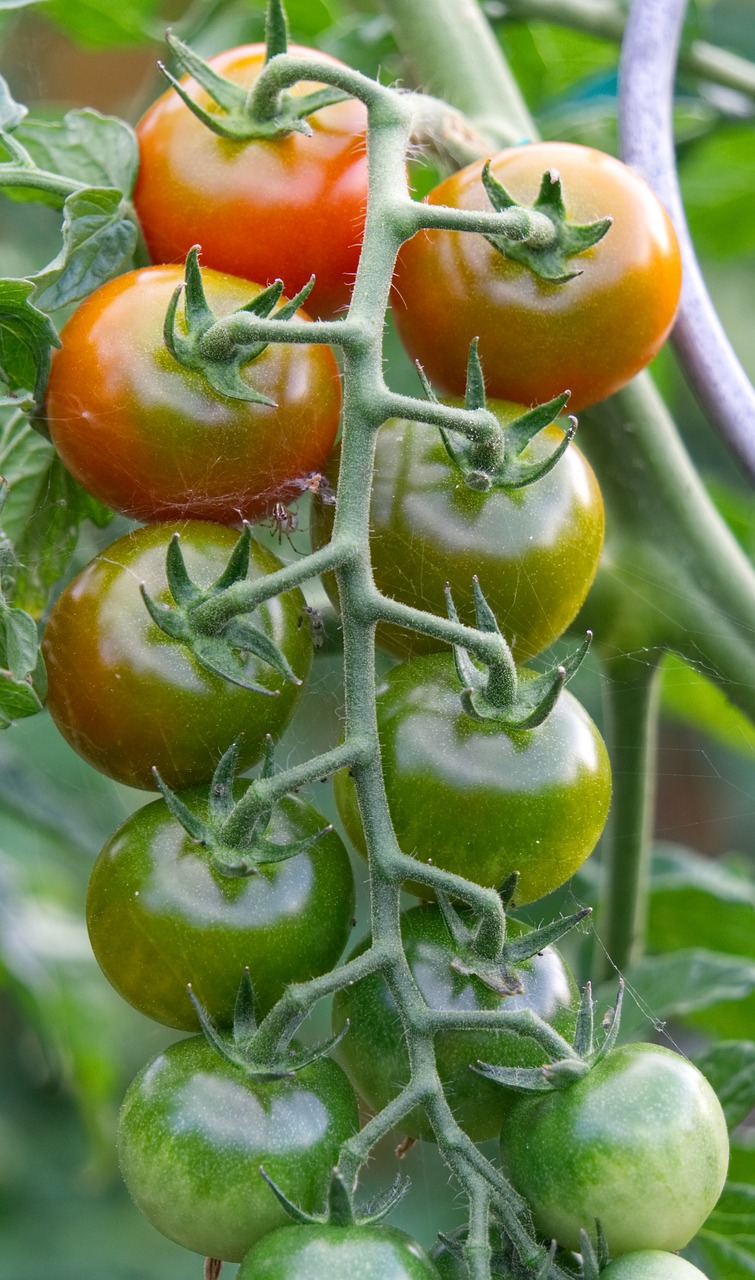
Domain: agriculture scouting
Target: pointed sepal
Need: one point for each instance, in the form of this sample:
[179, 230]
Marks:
[547, 256]
[199, 831]
[584, 1034]
[530, 944]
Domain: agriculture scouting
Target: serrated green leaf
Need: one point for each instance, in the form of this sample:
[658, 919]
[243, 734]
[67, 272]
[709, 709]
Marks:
[677, 985]
[19, 647]
[99, 238]
[42, 514]
[86, 145]
[26, 339]
[17, 700]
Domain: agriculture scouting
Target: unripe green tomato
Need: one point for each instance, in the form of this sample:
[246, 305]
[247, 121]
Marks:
[651, 1264]
[639, 1142]
[535, 550]
[326, 1252]
[160, 916]
[478, 801]
[374, 1051]
[194, 1130]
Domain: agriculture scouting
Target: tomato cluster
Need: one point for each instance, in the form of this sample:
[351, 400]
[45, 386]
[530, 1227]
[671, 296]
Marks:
[153, 686]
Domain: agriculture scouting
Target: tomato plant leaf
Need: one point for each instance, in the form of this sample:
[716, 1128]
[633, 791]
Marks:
[677, 985]
[27, 336]
[725, 1245]
[95, 25]
[18, 699]
[730, 1068]
[85, 145]
[42, 515]
[692, 699]
[99, 238]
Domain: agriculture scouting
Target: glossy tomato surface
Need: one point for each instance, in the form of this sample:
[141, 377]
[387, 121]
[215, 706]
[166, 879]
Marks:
[374, 1051]
[128, 697]
[324, 1252]
[194, 1130]
[535, 550]
[589, 335]
[640, 1142]
[264, 209]
[160, 916]
[153, 440]
[651, 1264]
[476, 800]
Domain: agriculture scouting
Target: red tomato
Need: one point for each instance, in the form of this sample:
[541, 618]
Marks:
[537, 339]
[261, 209]
[153, 439]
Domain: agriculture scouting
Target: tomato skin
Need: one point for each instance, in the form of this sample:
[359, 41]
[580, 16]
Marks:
[160, 917]
[193, 1131]
[535, 550]
[537, 339]
[281, 208]
[153, 439]
[127, 697]
[374, 1052]
[640, 1142]
[325, 1252]
[478, 801]
[651, 1264]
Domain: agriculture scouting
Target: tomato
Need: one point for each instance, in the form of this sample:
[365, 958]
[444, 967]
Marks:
[325, 1252]
[160, 916]
[128, 697]
[479, 801]
[651, 1264]
[640, 1142]
[374, 1051]
[194, 1130]
[268, 209]
[535, 550]
[589, 335]
[153, 440]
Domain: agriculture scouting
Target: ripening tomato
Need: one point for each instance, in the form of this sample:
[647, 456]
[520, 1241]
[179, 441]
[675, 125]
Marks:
[589, 335]
[323, 1251]
[160, 916]
[282, 208]
[126, 696]
[535, 550]
[640, 1142]
[374, 1051]
[194, 1129]
[476, 800]
[153, 440]
[651, 1264]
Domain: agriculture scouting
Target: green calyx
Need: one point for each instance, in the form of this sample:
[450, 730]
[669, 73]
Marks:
[495, 691]
[340, 1209]
[234, 832]
[213, 349]
[240, 1046]
[565, 1071]
[549, 259]
[499, 464]
[234, 113]
[482, 950]
[226, 652]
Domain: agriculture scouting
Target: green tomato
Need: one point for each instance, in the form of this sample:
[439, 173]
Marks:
[535, 550]
[374, 1052]
[476, 800]
[640, 1143]
[325, 1252]
[194, 1130]
[126, 696]
[651, 1264]
[160, 916]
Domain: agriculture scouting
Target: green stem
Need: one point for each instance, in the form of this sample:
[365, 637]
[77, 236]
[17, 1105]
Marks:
[631, 695]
